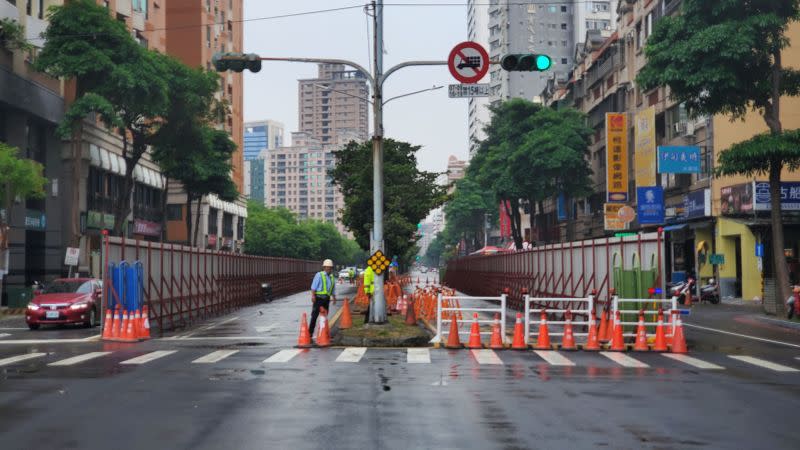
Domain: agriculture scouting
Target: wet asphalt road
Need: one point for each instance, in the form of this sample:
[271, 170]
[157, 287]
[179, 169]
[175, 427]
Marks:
[458, 399]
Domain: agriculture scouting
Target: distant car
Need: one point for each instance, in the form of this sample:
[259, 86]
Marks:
[345, 273]
[66, 301]
[423, 269]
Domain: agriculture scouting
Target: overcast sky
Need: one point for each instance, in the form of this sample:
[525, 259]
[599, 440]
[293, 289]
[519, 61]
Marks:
[430, 119]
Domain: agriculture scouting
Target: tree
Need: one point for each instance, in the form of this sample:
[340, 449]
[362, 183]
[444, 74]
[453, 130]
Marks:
[725, 58]
[84, 44]
[12, 36]
[19, 178]
[467, 208]
[409, 194]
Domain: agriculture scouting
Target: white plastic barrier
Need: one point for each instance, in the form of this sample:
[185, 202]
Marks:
[653, 306]
[589, 309]
[500, 309]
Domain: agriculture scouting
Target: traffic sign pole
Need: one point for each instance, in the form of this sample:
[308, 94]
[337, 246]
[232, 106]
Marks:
[377, 310]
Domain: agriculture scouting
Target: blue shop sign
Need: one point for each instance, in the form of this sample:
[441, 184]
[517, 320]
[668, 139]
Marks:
[650, 205]
[695, 204]
[790, 196]
[678, 159]
[561, 207]
[35, 220]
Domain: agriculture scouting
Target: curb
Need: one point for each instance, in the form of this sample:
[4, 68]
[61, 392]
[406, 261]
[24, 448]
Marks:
[779, 322]
[12, 311]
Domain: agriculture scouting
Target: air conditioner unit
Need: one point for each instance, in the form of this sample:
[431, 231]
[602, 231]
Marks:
[690, 129]
[679, 128]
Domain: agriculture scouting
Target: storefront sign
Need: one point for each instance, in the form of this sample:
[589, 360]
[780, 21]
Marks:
[35, 220]
[697, 204]
[678, 159]
[212, 240]
[717, 259]
[505, 220]
[617, 157]
[790, 196]
[612, 220]
[760, 250]
[227, 242]
[650, 205]
[72, 256]
[737, 199]
[645, 151]
[146, 228]
[99, 220]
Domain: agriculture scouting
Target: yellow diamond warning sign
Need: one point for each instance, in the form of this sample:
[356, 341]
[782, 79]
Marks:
[378, 262]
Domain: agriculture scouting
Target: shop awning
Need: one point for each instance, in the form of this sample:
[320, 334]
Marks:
[679, 226]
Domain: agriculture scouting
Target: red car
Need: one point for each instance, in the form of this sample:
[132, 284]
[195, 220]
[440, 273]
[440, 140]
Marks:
[66, 300]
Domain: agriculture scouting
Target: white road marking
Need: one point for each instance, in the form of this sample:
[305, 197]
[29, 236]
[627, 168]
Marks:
[42, 341]
[742, 335]
[554, 358]
[15, 359]
[79, 359]
[283, 356]
[215, 338]
[208, 327]
[486, 356]
[419, 356]
[351, 354]
[13, 328]
[147, 357]
[2, 335]
[216, 356]
[624, 360]
[96, 337]
[700, 364]
[266, 328]
[764, 364]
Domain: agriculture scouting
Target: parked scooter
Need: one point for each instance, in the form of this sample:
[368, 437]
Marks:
[266, 292]
[710, 292]
[680, 289]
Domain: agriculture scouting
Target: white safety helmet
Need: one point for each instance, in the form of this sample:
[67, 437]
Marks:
[327, 263]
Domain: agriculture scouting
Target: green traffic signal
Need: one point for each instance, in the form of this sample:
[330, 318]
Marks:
[236, 62]
[526, 62]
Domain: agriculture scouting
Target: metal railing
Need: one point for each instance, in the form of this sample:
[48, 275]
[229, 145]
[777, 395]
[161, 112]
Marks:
[562, 309]
[450, 306]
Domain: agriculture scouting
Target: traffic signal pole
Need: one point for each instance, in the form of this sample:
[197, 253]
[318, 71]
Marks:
[376, 81]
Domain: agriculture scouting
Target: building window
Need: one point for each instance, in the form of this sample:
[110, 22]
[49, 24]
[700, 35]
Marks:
[564, 61]
[563, 26]
[213, 215]
[174, 212]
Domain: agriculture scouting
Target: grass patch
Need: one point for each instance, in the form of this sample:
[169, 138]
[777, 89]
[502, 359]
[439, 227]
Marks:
[394, 329]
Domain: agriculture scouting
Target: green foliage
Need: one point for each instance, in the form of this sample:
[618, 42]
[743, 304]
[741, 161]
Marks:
[466, 209]
[754, 156]
[409, 194]
[12, 35]
[19, 177]
[276, 232]
[719, 56]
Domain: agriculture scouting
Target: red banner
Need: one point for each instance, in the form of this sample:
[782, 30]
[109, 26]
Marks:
[146, 228]
[505, 220]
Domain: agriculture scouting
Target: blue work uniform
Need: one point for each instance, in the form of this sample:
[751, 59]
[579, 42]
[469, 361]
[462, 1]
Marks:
[323, 288]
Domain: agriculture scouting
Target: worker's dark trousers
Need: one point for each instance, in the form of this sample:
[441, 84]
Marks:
[322, 301]
[369, 303]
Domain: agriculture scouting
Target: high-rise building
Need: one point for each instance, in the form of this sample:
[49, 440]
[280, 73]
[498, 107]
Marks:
[296, 177]
[334, 101]
[456, 169]
[529, 28]
[478, 31]
[259, 137]
[594, 15]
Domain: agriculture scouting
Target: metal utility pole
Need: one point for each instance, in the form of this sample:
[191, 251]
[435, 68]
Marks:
[378, 307]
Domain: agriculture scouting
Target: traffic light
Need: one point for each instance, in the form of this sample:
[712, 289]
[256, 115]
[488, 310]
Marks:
[236, 62]
[526, 62]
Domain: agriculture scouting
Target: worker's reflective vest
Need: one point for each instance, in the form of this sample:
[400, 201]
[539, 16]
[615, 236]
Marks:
[369, 281]
[326, 289]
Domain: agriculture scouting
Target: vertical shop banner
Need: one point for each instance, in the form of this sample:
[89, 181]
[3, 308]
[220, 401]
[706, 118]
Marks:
[644, 159]
[617, 157]
[650, 205]
[613, 221]
[505, 220]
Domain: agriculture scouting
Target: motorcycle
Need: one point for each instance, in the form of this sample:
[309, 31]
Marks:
[266, 292]
[709, 292]
[680, 289]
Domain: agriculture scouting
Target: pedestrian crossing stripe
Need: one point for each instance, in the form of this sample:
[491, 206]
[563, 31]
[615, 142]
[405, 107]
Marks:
[147, 357]
[351, 354]
[486, 357]
[763, 363]
[20, 358]
[283, 356]
[215, 357]
[79, 359]
[694, 362]
[418, 356]
[624, 360]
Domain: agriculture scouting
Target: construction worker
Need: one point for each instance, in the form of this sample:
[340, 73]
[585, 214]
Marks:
[369, 288]
[352, 274]
[322, 291]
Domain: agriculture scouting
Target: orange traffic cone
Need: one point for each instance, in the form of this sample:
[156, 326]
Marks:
[568, 341]
[324, 335]
[452, 339]
[640, 345]
[411, 315]
[604, 335]
[496, 343]
[116, 326]
[592, 342]
[347, 319]
[136, 321]
[145, 332]
[660, 344]
[475, 333]
[543, 342]
[678, 340]
[108, 324]
[304, 340]
[688, 301]
[617, 340]
[127, 329]
[519, 331]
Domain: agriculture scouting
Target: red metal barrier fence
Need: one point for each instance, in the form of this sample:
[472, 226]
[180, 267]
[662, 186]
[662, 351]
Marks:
[186, 284]
[570, 269]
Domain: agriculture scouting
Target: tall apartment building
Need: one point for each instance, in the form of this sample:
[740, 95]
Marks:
[259, 137]
[478, 31]
[593, 15]
[297, 178]
[196, 29]
[456, 169]
[334, 102]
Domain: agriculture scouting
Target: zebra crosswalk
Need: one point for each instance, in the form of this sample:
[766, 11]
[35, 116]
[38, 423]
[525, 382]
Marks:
[412, 356]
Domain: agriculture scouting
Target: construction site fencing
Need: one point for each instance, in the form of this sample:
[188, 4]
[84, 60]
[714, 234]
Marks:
[576, 306]
[631, 265]
[630, 308]
[450, 310]
[181, 285]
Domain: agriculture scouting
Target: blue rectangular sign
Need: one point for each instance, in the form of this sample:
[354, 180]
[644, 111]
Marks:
[790, 196]
[678, 159]
[561, 207]
[760, 250]
[650, 205]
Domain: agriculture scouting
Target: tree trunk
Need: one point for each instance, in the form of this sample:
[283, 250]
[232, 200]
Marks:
[75, 212]
[188, 219]
[516, 221]
[164, 210]
[197, 222]
[123, 207]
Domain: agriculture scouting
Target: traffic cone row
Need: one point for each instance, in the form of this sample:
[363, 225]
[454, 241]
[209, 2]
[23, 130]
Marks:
[126, 326]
